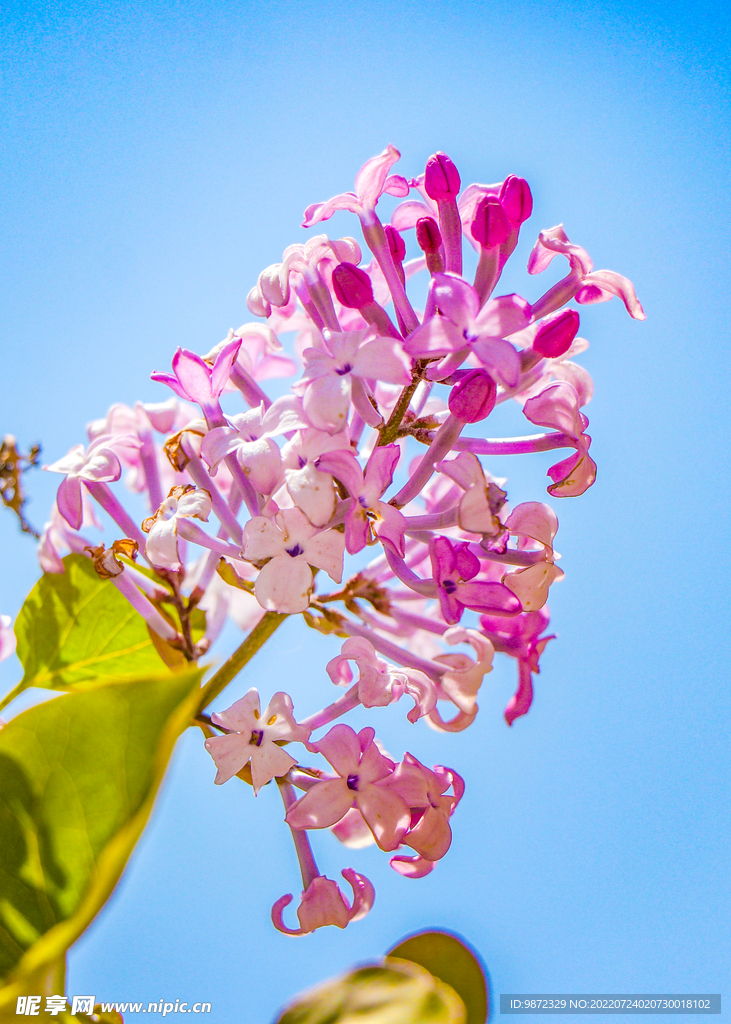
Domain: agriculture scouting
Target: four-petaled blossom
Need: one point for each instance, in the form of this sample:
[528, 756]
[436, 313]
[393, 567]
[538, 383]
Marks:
[334, 378]
[184, 502]
[361, 769]
[309, 487]
[95, 464]
[423, 790]
[192, 378]
[286, 547]
[252, 738]
[454, 567]
[323, 903]
[379, 683]
[367, 512]
[371, 182]
[461, 327]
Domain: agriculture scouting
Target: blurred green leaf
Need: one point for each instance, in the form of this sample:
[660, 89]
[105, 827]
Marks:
[75, 629]
[78, 777]
[449, 958]
[395, 992]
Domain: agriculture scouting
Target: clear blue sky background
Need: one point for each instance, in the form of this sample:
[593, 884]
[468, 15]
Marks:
[156, 157]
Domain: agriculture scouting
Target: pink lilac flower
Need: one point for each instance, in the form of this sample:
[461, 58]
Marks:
[97, 464]
[454, 567]
[532, 521]
[334, 377]
[193, 379]
[252, 738]
[520, 638]
[367, 512]
[380, 684]
[182, 504]
[323, 903]
[361, 770]
[461, 682]
[462, 327]
[286, 547]
[310, 487]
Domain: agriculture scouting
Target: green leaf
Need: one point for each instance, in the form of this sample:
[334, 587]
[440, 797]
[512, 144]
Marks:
[78, 777]
[448, 957]
[394, 992]
[75, 629]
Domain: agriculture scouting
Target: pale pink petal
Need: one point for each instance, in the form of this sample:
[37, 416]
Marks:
[344, 466]
[223, 365]
[312, 491]
[573, 476]
[530, 585]
[502, 316]
[68, 500]
[534, 519]
[322, 806]
[323, 211]
[371, 178]
[267, 762]
[162, 544]
[406, 214]
[383, 359]
[243, 715]
[326, 403]
[230, 753]
[262, 539]
[500, 358]
[437, 336]
[412, 867]
[352, 830]
[387, 815]
[364, 894]
[556, 407]
[284, 585]
[341, 747]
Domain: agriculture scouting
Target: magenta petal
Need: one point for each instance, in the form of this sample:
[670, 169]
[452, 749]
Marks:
[194, 375]
[223, 365]
[344, 466]
[364, 894]
[278, 920]
[172, 382]
[380, 469]
[455, 298]
[68, 500]
[489, 597]
[521, 702]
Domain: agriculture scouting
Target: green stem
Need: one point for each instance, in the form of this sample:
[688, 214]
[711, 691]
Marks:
[240, 657]
[11, 696]
[390, 431]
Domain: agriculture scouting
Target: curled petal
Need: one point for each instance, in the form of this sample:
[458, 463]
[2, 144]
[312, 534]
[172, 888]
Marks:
[610, 283]
[521, 702]
[572, 476]
[412, 867]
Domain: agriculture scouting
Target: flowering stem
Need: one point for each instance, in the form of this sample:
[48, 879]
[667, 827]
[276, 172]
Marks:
[305, 856]
[341, 706]
[240, 657]
[390, 431]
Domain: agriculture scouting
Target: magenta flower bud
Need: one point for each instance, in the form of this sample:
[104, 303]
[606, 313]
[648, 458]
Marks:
[441, 178]
[352, 286]
[428, 235]
[473, 397]
[555, 337]
[396, 243]
[515, 195]
[490, 227]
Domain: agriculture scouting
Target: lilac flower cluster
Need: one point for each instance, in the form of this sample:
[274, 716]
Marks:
[387, 393]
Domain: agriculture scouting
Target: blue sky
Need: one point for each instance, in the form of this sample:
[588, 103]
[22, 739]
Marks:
[156, 157]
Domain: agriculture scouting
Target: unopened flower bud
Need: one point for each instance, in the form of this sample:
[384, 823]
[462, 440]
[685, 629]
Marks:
[428, 235]
[473, 397]
[395, 243]
[556, 336]
[490, 227]
[516, 198]
[272, 287]
[352, 286]
[441, 178]
[256, 304]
